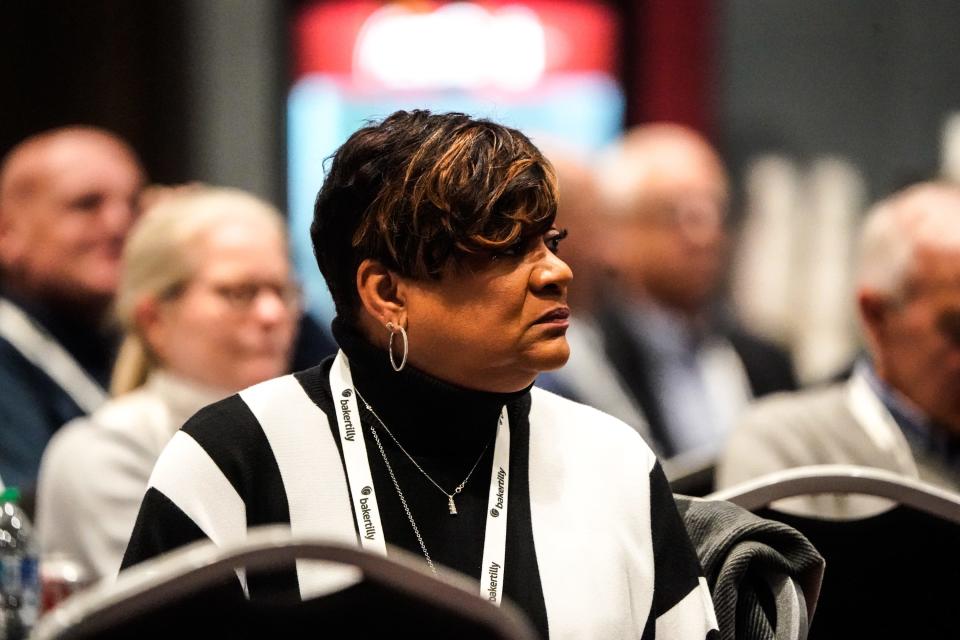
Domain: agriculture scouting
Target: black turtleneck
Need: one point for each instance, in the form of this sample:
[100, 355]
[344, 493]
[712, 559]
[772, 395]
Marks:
[429, 417]
[446, 428]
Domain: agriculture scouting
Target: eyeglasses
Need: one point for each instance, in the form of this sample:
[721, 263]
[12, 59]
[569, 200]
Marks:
[689, 213]
[240, 296]
[942, 295]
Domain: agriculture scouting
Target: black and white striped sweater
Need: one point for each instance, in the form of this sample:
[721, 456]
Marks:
[595, 547]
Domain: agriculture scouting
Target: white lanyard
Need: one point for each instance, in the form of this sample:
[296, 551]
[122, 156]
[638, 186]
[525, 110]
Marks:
[48, 355]
[878, 423]
[366, 510]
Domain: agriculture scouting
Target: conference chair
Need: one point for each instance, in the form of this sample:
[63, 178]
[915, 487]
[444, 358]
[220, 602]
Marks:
[891, 574]
[196, 592]
[691, 473]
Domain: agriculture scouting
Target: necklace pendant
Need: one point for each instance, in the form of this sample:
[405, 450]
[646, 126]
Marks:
[451, 505]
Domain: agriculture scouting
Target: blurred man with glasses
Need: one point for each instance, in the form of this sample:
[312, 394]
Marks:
[689, 367]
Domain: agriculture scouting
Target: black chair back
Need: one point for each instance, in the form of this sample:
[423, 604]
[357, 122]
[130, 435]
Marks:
[888, 575]
[198, 591]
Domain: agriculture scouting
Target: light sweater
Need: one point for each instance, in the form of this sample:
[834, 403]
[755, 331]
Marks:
[95, 470]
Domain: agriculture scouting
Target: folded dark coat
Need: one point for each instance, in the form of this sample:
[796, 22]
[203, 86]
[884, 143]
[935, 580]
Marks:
[744, 558]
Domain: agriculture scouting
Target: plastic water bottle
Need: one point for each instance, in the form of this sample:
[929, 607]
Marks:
[19, 576]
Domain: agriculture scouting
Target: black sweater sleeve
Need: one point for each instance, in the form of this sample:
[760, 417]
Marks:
[160, 527]
[678, 592]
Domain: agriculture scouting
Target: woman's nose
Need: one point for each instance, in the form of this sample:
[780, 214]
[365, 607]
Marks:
[552, 273]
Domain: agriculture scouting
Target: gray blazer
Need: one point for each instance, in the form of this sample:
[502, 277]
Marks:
[845, 423]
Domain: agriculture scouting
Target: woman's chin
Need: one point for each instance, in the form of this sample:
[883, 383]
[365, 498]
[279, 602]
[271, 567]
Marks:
[552, 355]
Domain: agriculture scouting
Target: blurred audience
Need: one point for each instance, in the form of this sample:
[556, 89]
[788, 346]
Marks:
[900, 410]
[208, 307]
[689, 369]
[67, 200]
[589, 376]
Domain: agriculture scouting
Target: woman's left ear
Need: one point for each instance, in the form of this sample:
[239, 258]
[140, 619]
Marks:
[382, 292]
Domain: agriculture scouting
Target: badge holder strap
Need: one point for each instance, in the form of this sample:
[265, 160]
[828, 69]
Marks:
[495, 536]
[366, 511]
[364, 498]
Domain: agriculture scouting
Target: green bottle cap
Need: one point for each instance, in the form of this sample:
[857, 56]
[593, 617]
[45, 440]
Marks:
[10, 494]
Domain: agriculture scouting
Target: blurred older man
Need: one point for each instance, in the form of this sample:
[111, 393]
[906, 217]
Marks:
[67, 200]
[900, 410]
[589, 376]
[691, 371]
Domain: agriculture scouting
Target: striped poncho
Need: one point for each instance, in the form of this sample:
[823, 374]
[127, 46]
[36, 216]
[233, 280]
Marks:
[594, 545]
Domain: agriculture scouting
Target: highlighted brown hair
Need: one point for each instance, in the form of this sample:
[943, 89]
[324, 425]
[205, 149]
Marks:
[421, 191]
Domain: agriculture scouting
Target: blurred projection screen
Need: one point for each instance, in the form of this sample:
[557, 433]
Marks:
[547, 68]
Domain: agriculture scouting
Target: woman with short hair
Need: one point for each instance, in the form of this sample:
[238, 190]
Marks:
[207, 306]
[436, 237]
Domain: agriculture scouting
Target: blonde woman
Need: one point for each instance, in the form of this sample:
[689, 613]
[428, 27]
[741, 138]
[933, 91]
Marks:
[208, 307]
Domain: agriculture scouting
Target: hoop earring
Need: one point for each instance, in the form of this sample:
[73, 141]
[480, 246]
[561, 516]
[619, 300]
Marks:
[394, 330]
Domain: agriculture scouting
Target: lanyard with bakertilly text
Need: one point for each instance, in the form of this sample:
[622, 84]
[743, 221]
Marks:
[364, 496]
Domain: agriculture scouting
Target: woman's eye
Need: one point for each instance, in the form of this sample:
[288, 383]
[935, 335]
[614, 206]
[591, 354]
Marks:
[507, 254]
[553, 238]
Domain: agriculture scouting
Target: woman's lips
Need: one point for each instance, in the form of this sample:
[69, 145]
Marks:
[559, 317]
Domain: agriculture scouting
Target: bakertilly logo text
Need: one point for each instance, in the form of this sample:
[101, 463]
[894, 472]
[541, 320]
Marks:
[350, 433]
[350, 430]
[494, 573]
[501, 482]
[369, 531]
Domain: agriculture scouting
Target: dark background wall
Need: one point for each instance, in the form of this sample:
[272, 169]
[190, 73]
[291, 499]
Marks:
[199, 86]
[109, 63]
[196, 86]
[871, 81]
